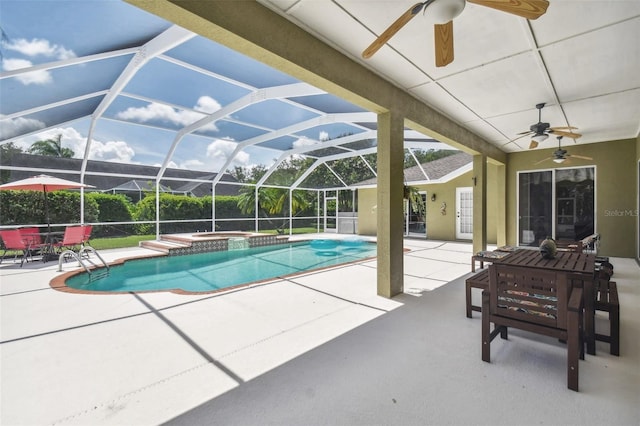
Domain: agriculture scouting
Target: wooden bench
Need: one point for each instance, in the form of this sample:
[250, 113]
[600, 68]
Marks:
[479, 280]
[606, 300]
[538, 301]
[600, 294]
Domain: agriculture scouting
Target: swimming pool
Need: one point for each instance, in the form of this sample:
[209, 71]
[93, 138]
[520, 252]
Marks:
[208, 272]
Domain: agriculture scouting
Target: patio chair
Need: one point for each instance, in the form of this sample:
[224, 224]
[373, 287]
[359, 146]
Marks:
[87, 234]
[72, 240]
[14, 241]
[537, 301]
[31, 236]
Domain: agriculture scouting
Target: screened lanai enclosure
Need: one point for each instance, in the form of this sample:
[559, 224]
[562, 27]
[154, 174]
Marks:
[129, 100]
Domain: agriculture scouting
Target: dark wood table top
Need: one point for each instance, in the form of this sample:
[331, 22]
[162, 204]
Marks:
[564, 261]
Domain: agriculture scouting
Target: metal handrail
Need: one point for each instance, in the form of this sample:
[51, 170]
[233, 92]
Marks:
[78, 257]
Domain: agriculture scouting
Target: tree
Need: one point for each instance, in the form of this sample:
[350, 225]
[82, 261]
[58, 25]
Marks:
[248, 174]
[52, 148]
[7, 151]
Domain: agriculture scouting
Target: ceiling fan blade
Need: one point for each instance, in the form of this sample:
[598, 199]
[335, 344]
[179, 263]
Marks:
[525, 133]
[582, 157]
[541, 161]
[563, 128]
[566, 134]
[444, 43]
[530, 9]
[533, 144]
[392, 30]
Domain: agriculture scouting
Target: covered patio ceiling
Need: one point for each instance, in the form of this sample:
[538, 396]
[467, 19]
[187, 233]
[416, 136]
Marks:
[127, 86]
[581, 58]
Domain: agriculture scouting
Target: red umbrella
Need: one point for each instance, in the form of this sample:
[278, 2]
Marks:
[44, 183]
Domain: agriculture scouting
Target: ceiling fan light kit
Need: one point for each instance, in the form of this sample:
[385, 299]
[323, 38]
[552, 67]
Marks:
[540, 137]
[444, 11]
[560, 155]
[540, 131]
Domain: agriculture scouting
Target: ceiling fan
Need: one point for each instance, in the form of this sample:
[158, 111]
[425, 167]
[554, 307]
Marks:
[540, 131]
[443, 12]
[560, 155]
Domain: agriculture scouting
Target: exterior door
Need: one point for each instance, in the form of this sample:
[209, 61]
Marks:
[464, 213]
[330, 214]
[415, 217]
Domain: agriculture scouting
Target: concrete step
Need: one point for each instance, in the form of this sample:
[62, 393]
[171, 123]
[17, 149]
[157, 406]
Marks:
[163, 246]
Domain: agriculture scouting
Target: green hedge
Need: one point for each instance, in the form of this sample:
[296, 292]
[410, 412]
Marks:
[182, 207]
[112, 208]
[26, 207]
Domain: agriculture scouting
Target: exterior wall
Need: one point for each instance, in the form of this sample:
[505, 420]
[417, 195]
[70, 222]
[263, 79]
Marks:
[615, 176]
[637, 192]
[439, 226]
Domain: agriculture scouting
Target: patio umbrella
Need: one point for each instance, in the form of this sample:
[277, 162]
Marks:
[44, 183]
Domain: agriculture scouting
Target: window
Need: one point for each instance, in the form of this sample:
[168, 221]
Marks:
[559, 203]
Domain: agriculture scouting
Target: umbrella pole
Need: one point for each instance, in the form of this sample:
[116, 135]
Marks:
[46, 210]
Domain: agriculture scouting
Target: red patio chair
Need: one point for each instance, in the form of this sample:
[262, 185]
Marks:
[32, 237]
[72, 239]
[13, 241]
[87, 234]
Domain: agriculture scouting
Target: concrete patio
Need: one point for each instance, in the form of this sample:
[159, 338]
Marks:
[319, 348]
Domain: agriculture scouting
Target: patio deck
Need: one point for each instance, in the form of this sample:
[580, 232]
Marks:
[319, 348]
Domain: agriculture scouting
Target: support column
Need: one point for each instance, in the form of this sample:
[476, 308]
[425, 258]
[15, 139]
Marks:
[479, 203]
[501, 205]
[390, 204]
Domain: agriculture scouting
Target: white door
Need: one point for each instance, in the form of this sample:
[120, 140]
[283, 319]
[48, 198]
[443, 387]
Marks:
[464, 213]
[330, 214]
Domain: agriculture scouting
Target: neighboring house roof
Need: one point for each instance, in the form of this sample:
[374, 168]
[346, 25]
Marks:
[138, 185]
[106, 175]
[441, 170]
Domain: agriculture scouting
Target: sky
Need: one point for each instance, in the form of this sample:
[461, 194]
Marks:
[168, 92]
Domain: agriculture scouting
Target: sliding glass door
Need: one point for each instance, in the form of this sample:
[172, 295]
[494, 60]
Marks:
[559, 203]
[575, 198]
[535, 207]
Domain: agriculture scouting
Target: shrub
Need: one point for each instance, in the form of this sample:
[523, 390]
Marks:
[27, 207]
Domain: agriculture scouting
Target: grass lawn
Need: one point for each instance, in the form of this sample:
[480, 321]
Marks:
[134, 240]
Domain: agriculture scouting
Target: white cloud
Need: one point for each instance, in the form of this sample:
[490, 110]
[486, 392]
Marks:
[38, 47]
[304, 142]
[33, 48]
[220, 150]
[323, 136]
[160, 112]
[33, 77]
[207, 105]
[118, 151]
[18, 126]
[194, 164]
[171, 165]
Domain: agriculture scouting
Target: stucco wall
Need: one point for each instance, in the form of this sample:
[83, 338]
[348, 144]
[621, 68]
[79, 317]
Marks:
[439, 226]
[615, 196]
[637, 192]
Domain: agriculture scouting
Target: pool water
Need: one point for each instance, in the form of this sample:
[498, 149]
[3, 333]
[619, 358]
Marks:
[206, 272]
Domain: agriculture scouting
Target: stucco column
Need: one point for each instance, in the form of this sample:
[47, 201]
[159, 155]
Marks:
[390, 204]
[479, 203]
[501, 204]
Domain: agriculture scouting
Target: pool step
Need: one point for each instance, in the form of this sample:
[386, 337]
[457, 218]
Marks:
[163, 246]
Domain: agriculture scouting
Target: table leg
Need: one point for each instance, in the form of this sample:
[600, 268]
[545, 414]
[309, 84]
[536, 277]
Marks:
[589, 317]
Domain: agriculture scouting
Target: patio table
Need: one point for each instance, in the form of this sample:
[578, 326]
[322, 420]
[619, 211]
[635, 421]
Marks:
[50, 238]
